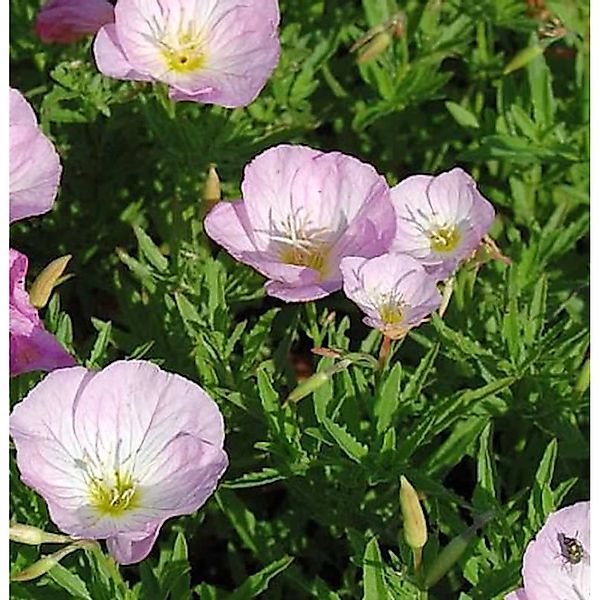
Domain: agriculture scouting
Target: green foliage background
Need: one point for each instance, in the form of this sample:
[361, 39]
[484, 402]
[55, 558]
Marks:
[485, 410]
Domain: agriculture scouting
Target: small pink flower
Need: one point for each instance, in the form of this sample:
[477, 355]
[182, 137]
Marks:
[32, 348]
[116, 453]
[34, 164]
[556, 565]
[210, 51]
[302, 212]
[441, 220]
[393, 290]
[67, 21]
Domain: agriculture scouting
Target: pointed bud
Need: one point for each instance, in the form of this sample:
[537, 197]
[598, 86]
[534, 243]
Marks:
[413, 518]
[314, 382]
[212, 188]
[375, 47]
[42, 287]
[25, 534]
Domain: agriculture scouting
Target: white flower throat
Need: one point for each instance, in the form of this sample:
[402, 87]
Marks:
[301, 244]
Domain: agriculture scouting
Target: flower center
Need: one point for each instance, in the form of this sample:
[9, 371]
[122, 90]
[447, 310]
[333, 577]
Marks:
[445, 239]
[184, 54]
[391, 314]
[114, 497]
[298, 243]
[314, 257]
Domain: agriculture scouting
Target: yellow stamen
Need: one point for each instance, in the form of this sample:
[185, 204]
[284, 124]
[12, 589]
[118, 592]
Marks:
[184, 54]
[113, 498]
[312, 257]
[391, 314]
[445, 239]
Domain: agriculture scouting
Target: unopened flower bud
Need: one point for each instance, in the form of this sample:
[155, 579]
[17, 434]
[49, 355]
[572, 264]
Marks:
[26, 534]
[415, 526]
[212, 188]
[42, 287]
[375, 47]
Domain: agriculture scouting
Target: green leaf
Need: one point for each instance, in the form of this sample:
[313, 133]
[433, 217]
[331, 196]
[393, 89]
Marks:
[70, 582]
[100, 347]
[523, 58]
[417, 380]
[462, 116]
[511, 330]
[386, 402]
[541, 499]
[373, 580]
[346, 441]
[259, 582]
[150, 250]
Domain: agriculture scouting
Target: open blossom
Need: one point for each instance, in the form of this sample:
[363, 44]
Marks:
[394, 291]
[556, 565]
[34, 164]
[117, 452]
[302, 212]
[32, 348]
[67, 21]
[441, 219]
[211, 51]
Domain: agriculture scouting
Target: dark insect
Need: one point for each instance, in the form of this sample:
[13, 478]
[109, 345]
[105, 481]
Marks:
[570, 548]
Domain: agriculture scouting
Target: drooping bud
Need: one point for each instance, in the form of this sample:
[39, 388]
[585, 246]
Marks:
[314, 382]
[451, 553]
[26, 534]
[42, 566]
[42, 287]
[413, 519]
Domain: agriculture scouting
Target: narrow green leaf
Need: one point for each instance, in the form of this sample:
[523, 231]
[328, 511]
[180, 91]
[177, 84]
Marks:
[373, 580]
[100, 347]
[346, 441]
[417, 380]
[150, 250]
[386, 402]
[461, 115]
[259, 582]
[70, 582]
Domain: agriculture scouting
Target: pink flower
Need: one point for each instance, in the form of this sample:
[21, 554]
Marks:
[556, 565]
[210, 51]
[116, 453]
[393, 290]
[441, 220]
[34, 164]
[302, 212]
[32, 348]
[67, 21]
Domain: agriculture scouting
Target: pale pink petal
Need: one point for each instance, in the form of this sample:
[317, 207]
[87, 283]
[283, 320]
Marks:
[302, 212]
[156, 433]
[66, 21]
[127, 549]
[517, 595]
[111, 60]
[34, 163]
[213, 52]
[47, 448]
[428, 206]
[242, 51]
[20, 111]
[547, 573]
[394, 291]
